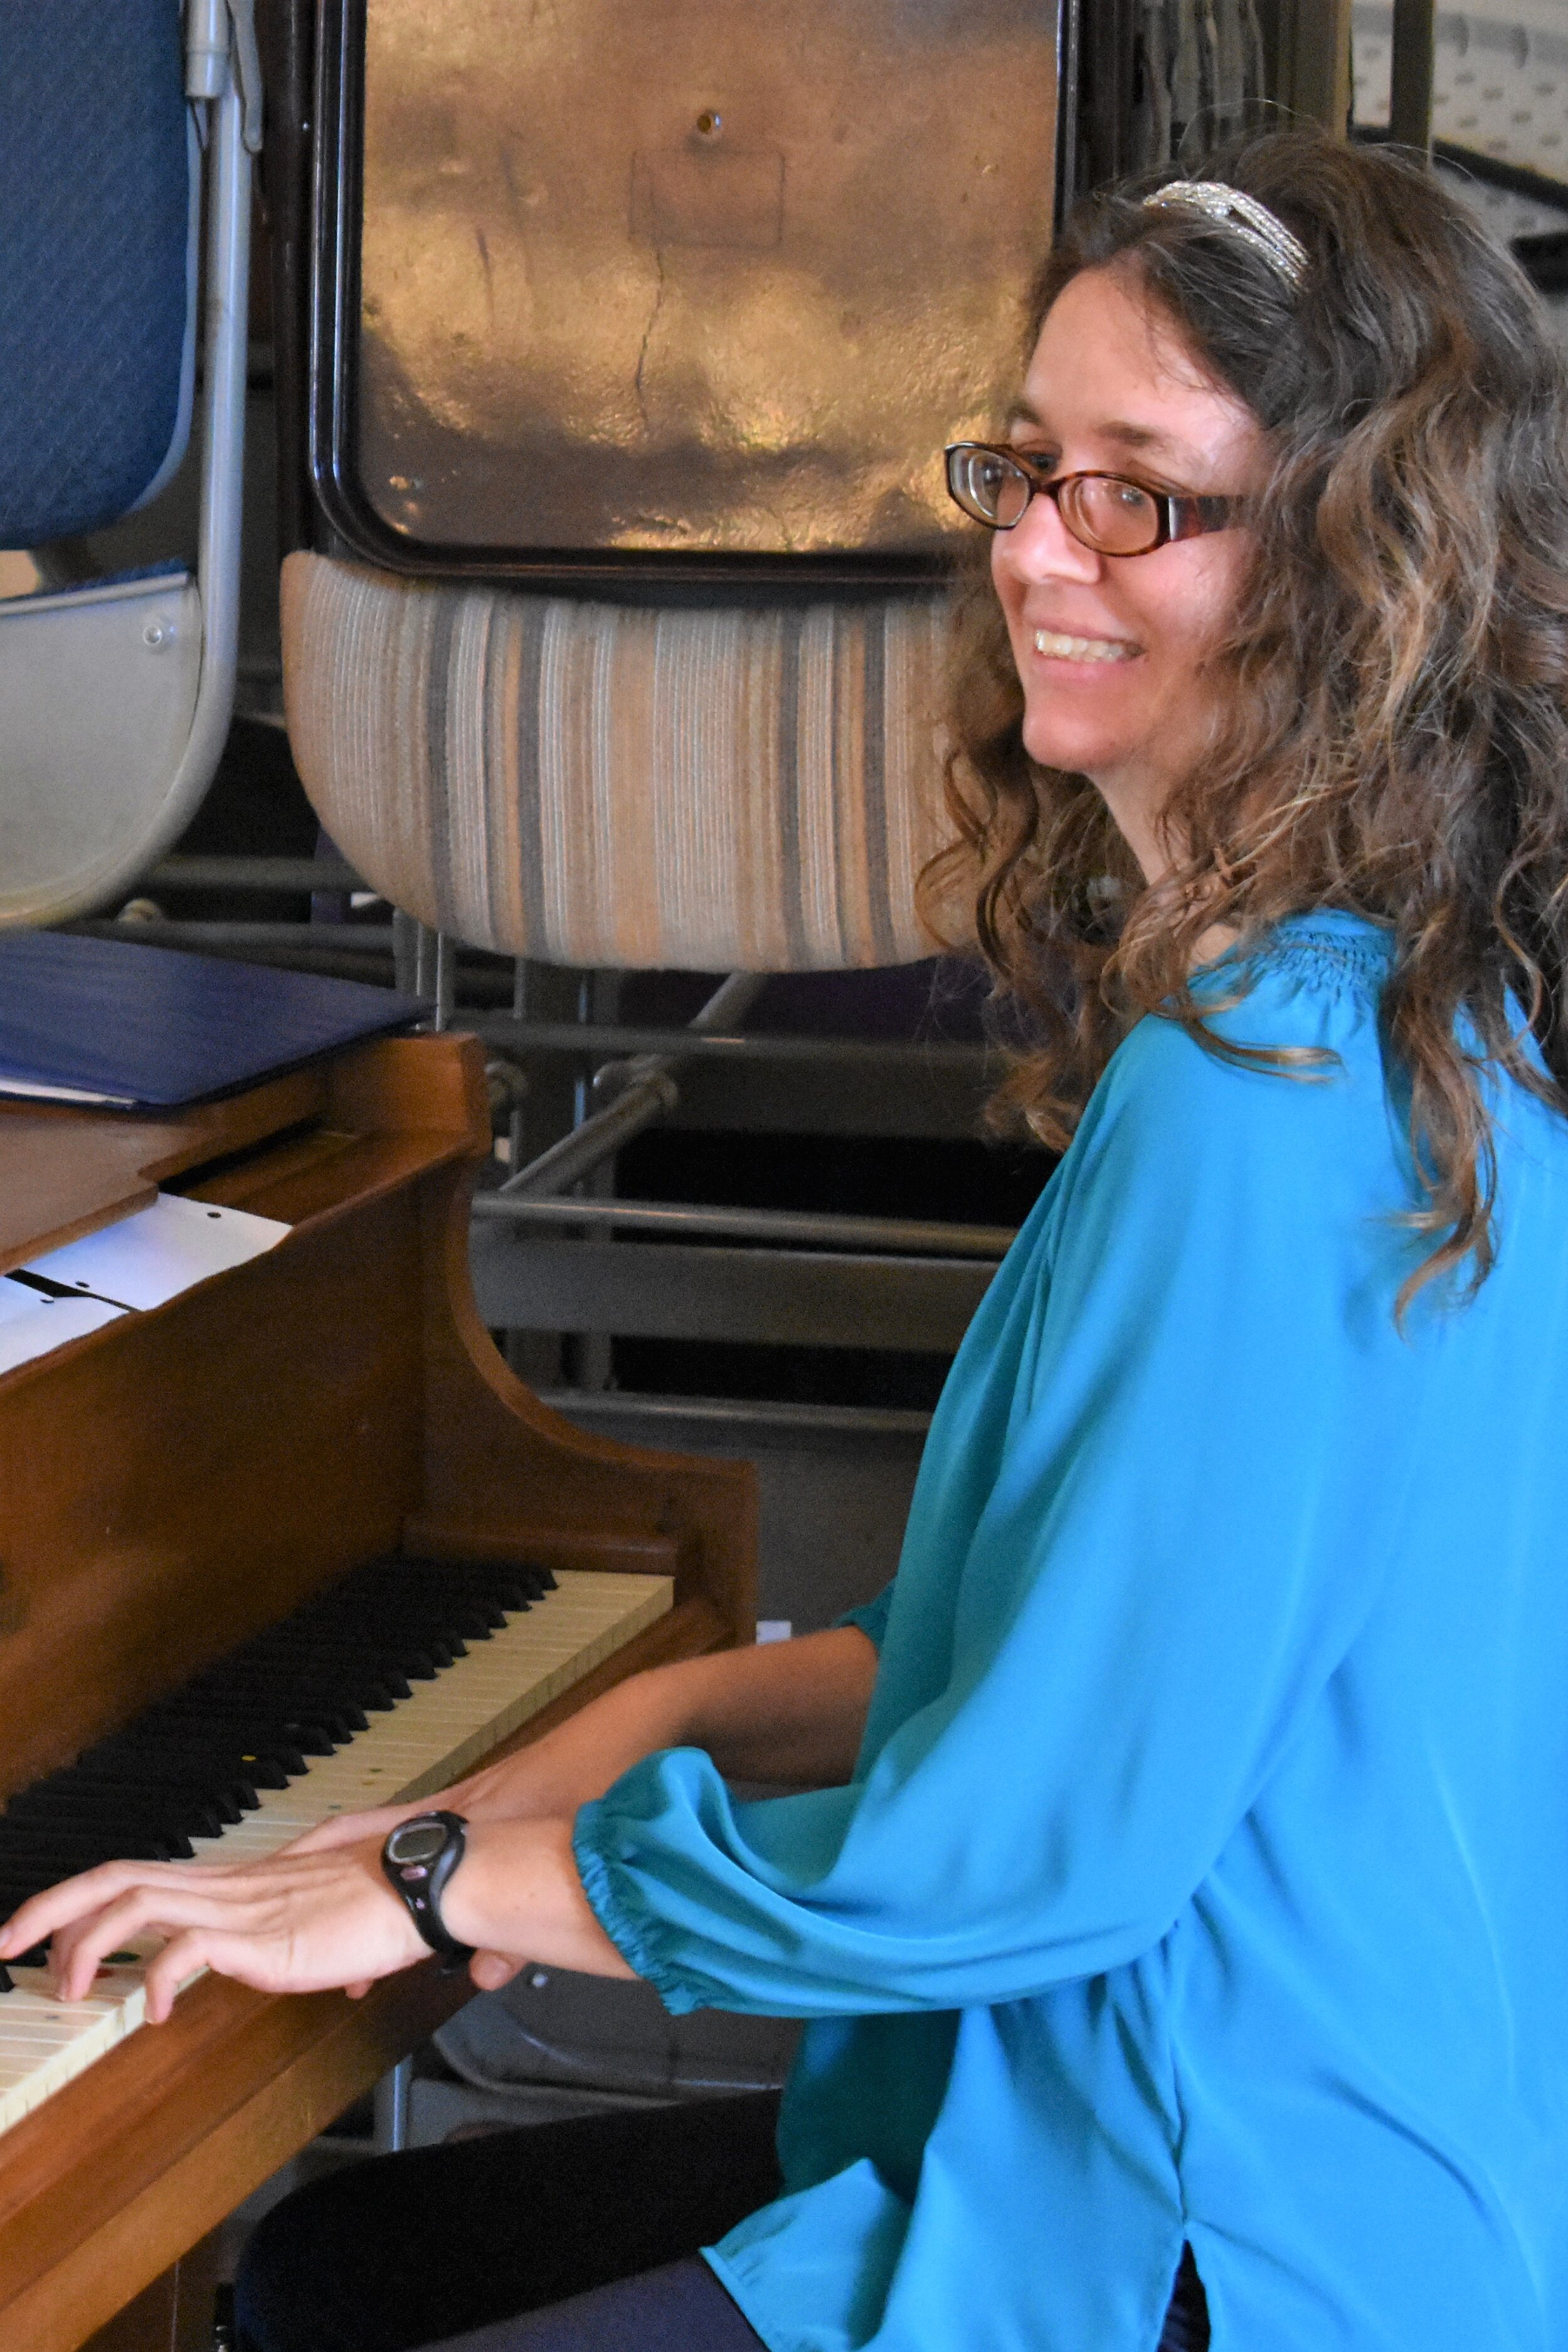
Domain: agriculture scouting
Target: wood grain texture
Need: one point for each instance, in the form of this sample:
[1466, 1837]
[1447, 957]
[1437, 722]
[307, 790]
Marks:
[66, 1172]
[173, 1483]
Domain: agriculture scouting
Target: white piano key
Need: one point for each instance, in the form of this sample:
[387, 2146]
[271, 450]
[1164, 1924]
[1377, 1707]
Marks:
[411, 1749]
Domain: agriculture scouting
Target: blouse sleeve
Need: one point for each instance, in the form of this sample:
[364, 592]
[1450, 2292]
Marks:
[870, 1618]
[1127, 1575]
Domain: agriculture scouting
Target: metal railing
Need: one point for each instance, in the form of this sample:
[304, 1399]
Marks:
[563, 1190]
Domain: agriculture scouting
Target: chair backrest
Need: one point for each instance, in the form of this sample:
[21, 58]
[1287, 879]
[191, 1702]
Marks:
[602, 784]
[635, 345]
[694, 289]
[115, 697]
[98, 217]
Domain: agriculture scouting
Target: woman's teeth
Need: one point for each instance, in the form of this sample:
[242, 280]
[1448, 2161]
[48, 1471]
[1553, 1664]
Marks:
[1100, 649]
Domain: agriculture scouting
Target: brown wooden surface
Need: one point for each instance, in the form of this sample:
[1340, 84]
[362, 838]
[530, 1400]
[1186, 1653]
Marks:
[119, 2172]
[175, 1481]
[68, 1171]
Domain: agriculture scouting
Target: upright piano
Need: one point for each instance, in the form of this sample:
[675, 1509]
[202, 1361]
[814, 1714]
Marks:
[184, 1479]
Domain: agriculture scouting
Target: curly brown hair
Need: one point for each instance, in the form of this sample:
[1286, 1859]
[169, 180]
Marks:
[1391, 735]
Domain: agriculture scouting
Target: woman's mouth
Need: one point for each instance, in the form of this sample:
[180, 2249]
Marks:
[1056, 647]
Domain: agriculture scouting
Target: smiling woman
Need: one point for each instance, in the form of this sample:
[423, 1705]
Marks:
[1352, 696]
[1168, 1866]
[1111, 649]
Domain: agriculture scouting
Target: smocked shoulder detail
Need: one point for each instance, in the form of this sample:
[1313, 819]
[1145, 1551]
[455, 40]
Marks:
[1344, 965]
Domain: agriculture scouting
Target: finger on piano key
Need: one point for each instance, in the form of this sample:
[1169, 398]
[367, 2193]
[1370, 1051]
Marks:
[448, 1722]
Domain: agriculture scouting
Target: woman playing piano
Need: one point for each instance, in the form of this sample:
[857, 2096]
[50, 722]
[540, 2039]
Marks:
[1180, 1890]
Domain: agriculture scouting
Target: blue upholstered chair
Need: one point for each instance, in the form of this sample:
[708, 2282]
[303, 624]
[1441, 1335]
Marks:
[115, 694]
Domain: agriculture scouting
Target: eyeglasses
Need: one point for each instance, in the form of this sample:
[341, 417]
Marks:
[1108, 512]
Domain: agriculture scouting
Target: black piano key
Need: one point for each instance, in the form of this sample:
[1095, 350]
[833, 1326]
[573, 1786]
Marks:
[231, 1758]
[395, 1663]
[373, 1675]
[367, 1681]
[49, 1858]
[28, 1884]
[124, 1810]
[219, 1793]
[39, 1957]
[474, 1624]
[287, 1743]
[495, 1578]
[271, 1696]
[197, 1757]
[230, 1799]
[5, 1983]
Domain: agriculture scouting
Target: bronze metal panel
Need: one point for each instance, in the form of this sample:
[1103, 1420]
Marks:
[692, 275]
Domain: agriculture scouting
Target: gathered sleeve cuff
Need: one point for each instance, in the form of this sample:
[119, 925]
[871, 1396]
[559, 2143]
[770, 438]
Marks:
[871, 1617]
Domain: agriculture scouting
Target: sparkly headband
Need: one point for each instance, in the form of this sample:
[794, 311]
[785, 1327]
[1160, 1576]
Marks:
[1243, 217]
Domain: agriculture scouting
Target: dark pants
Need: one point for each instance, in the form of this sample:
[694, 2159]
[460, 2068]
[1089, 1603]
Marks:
[568, 2237]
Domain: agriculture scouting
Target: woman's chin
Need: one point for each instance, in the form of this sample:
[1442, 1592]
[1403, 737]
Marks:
[1078, 750]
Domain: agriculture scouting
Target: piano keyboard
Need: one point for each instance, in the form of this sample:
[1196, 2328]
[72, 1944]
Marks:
[532, 1637]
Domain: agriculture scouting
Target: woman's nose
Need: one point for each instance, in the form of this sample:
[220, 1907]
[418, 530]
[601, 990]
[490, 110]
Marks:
[1040, 547]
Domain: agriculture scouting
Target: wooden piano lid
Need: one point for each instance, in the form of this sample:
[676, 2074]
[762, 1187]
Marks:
[65, 1170]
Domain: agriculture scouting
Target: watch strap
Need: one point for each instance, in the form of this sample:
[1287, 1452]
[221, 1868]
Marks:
[420, 1883]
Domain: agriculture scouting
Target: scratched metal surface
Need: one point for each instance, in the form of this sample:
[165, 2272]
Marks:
[693, 273]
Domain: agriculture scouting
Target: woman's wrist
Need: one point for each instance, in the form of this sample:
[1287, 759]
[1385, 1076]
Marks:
[517, 1892]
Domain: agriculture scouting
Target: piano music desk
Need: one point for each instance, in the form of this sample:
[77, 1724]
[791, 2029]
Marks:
[178, 1480]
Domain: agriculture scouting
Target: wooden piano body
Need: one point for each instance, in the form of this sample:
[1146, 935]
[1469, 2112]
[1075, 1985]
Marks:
[181, 1478]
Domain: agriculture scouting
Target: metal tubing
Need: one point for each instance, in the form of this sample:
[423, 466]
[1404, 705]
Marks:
[578, 1154]
[335, 939]
[649, 1093]
[391, 2096]
[810, 1228]
[223, 452]
[406, 931]
[590, 1039]
[1410, 78]
[752, 1416]
[767, 1298]
[426, 946]
[251, 874]
[730, 1001]
[335, 950]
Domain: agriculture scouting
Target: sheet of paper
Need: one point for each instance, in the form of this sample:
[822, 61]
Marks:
[38, 1325]
[161, 1251]
[14, 1299]
[34, 1089]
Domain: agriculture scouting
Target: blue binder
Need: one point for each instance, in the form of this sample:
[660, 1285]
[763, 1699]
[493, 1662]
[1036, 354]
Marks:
[105, 1021]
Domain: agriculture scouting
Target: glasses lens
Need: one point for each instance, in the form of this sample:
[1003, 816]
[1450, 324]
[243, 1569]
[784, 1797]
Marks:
[988, 486]
[1114, 516]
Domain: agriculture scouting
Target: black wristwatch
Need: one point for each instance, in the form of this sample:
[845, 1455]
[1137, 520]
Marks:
[418, 1858]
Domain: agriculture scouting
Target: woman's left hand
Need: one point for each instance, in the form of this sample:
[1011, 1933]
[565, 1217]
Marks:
[293, 1923]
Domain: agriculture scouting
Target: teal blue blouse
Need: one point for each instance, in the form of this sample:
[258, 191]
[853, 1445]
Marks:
[1205, 1873]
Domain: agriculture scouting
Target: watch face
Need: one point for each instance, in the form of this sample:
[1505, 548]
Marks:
[417, 1841]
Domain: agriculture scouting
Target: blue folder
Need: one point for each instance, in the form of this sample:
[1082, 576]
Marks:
[104, 1021]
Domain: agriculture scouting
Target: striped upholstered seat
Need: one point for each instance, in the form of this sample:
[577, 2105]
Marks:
[599, 785]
